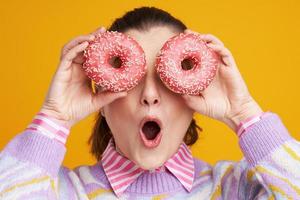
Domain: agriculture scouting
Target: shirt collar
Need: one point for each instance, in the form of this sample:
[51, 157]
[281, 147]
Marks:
[121, 172]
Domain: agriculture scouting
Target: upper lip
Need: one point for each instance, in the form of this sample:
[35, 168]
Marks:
[151, 118]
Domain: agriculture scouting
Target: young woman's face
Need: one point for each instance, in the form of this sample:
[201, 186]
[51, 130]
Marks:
[149, 98]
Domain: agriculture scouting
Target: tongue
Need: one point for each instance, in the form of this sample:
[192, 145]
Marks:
[150, 130]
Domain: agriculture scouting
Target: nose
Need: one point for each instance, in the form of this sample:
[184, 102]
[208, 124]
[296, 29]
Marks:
[150, 93]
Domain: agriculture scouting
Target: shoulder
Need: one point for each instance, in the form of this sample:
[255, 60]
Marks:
[90, 174]
[220, 168]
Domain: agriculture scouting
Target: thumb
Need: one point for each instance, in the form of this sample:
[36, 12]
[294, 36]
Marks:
[196, 103]
[103, 98]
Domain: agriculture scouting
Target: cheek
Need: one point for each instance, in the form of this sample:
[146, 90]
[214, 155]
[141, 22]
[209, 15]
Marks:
[118, 109]
[116, 114]
[120, 115]
[179, 115]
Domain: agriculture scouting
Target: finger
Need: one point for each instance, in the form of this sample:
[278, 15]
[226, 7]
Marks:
[220, 49]
[190, 31]
[79, 59]
[104, 98]
[211, 39]
[194, 102]
[223, 52]
[99, 30]
[226, 58]
[75, 42]
[68, 58]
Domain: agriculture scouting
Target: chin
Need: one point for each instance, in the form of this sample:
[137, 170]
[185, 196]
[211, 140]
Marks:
[150, 162]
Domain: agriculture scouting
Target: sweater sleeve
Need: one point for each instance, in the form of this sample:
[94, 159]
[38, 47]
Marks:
[270, 168]
[31, 164]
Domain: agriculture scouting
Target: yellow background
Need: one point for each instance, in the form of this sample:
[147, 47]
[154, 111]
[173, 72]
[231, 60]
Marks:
[263, 36]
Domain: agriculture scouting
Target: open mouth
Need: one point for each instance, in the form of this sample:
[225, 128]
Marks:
[151, 132]
[150, 129]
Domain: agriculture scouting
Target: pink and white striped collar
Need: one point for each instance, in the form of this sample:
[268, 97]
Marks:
[121, 172]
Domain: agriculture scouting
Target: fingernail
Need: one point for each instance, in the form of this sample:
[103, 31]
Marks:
[91, 37]
[85, 43]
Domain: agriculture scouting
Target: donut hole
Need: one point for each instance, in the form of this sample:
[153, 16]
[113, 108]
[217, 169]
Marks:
[115, 62]
[187, 64]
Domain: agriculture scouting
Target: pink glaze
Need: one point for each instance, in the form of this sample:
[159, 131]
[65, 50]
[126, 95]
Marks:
[114, 44]
[186, 46]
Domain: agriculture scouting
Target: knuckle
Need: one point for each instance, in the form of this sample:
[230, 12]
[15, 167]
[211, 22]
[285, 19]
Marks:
[64, 48]
[63, 53]
[81, 38]
[69, 46]
[69, 55]
[72, 42]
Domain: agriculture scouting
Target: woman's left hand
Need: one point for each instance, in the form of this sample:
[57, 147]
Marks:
[227, 98]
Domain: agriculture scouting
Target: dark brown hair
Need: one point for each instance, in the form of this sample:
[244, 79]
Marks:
[142, 19]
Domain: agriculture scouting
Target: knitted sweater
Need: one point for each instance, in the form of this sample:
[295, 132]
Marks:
[31, 168]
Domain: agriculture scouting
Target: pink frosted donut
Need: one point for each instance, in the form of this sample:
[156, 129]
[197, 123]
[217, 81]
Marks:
[114, 61]
[186, 65]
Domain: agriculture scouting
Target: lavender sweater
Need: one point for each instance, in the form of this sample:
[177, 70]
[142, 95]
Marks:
[30, 168]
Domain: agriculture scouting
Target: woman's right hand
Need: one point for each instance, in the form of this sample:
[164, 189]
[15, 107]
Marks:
[70, 97]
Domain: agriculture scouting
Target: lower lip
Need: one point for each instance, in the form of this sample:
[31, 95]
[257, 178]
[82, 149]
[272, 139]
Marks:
[151, 143]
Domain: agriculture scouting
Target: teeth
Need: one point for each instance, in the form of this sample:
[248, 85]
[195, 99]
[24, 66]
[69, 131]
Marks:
[150, 130]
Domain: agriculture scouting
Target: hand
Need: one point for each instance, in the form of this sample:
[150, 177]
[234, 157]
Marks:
[227, 98]
[70, 97]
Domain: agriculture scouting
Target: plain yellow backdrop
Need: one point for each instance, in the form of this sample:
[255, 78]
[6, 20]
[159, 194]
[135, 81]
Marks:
[263, 37]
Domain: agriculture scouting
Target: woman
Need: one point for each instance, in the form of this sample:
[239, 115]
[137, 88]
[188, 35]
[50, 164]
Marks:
[30, 164]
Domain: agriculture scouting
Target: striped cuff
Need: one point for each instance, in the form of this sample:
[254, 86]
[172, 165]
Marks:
[263, 137]
[49, 127]
[247, 123]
